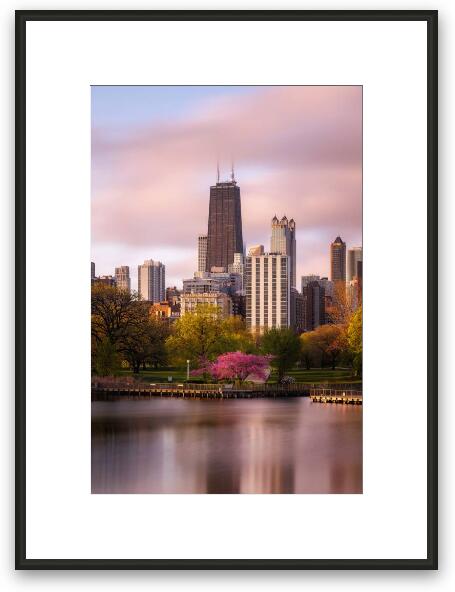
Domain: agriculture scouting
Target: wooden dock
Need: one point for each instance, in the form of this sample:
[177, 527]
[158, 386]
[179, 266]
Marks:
[110, 394]
[336, 396]
[223, 391]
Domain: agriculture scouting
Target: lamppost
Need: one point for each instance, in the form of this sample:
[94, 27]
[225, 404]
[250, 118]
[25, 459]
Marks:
[187, 370]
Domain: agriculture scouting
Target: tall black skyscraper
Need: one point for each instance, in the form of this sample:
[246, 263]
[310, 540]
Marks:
[313, 296]
[338, 260]
[225, 224]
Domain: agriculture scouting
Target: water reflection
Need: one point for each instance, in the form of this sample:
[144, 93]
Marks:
[237, 446]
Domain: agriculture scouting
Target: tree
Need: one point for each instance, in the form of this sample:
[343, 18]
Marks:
[144, 342]
[158, 352]
[340, 311]
[354, 339]
[237, 366]
[105, 359]
[111, 312]
[204, 334]
[284, 346]
[331, 342]
[195, 336]
[122, 328]
[308, 349]
[234, 336]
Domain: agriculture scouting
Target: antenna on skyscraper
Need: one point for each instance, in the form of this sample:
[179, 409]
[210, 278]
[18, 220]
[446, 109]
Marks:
[217, 171]
[232, 171]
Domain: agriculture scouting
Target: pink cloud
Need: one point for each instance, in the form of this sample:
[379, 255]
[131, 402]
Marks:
[298, 151]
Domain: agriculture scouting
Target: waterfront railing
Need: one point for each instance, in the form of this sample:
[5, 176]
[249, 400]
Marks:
[227, 389]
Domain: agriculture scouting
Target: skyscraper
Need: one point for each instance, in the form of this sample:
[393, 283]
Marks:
[268, 299]
[202, 252]
[92, 270]
[151, 280]
[306, 279]
[355, 286]
[338, 260]
[354, 255]
[122, 278]
[238, 267]
[313, 306]
[283, 242]
[224, 237]
[328, 287]
[299, 303]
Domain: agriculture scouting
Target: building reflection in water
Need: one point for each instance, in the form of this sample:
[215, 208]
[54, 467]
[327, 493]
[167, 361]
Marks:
[237, 446]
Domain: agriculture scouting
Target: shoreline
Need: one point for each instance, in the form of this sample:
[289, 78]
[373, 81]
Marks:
[325, 394]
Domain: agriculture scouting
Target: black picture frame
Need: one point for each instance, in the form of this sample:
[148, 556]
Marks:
[428, 16]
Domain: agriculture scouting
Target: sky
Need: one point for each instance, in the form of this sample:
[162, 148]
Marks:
[297, 151]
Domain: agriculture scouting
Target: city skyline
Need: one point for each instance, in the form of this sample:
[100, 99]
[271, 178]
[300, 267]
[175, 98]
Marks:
[151, 175]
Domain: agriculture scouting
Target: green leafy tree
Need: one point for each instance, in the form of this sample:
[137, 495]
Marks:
[309, 351]
[354, 339]
[235, 337]
[105, 359]
[203, 335]
[284, 346]
[144, 342]
[195, 336]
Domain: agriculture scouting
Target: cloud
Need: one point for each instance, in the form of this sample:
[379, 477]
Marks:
[298, 151]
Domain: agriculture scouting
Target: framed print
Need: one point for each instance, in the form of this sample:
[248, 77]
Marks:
[243, 382]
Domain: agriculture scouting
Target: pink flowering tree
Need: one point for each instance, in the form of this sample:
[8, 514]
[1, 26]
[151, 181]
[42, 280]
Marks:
[204, 369]
[236, 366]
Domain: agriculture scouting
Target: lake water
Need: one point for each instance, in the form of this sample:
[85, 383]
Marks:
[168, 445]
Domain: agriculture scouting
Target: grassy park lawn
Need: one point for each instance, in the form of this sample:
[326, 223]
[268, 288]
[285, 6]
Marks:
[300, 375]
[320, 375]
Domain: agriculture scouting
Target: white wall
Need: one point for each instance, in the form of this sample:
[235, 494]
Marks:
[445, 579]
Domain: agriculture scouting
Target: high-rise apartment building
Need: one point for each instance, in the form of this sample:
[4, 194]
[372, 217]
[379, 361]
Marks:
[354, 293]
[238, 304]
[238, 267]
[324, 282]
[359, 269]
[224, 236]
[355, 286]
[151, 281]
[299, 323]
[267, 279]
[207, 285]
[122, 278]
[338, 260]
[329, 292]
[230, 283]
[256, 250]
[293, 295]
[218, 301]
[313, 306]
[354, 256]
[202, 252]
[105, 280]
[306, 279]
[283, 242]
